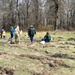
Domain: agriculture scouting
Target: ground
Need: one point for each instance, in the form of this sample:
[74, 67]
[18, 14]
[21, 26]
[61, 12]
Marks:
[26, 58]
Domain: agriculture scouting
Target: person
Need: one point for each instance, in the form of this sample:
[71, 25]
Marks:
[21, 32]
[47, 37]
[31, 33]
[12, 33]
[17, 33]
[3, 33]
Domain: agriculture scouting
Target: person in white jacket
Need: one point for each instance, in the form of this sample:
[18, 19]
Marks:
[17, 35]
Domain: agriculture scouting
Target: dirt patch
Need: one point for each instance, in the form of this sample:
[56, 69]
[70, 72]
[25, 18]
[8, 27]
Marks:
[3, 53]
[32, 56]
[6, 71]
[65, 47]
[48, 45]
[60, 38]
[60, 55]
[58, 63]
[32, 48]
[71, 39]
[70, 43]
[47, 52]
[46, 60]
[44, 72]
[7, 56]
[2, 43]
[34, 73]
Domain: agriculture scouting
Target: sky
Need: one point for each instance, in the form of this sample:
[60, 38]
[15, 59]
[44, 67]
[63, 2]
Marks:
[20, 1]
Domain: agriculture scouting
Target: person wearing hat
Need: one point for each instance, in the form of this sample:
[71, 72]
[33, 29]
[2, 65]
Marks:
[31, 33]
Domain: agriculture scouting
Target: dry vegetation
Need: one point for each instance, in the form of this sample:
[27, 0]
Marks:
[54, 58]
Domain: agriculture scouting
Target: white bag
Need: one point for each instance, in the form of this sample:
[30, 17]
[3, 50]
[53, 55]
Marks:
[42, 42]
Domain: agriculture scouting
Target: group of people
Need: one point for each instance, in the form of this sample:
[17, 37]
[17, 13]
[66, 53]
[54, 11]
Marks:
[15, 33]
[32, 32]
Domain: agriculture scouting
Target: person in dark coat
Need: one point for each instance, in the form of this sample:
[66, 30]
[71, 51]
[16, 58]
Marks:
[31, 33]
[12, 33]
[1, 32]
[47, 37]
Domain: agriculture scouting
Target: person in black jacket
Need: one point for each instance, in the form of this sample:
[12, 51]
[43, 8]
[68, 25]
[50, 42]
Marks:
[31, 33]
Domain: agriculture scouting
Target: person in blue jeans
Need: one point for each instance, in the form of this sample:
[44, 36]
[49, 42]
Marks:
[47, 37]
[12, 33]
[31, 33]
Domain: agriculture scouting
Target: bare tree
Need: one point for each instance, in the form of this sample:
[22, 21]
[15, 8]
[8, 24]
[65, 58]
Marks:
[57, 14]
